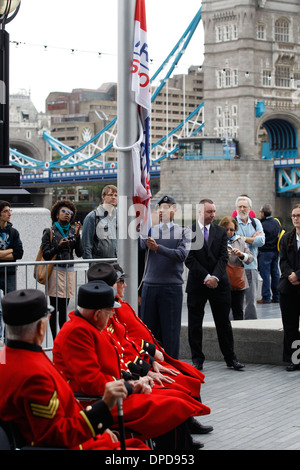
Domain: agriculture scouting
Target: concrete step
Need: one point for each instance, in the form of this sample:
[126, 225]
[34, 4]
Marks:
[255, 341]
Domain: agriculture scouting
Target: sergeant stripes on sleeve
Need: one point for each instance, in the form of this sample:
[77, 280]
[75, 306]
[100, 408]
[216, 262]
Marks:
[46, 411]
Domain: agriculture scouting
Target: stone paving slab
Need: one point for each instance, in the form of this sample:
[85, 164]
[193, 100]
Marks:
[257, 408]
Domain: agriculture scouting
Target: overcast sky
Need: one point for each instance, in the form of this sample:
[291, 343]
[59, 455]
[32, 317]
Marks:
[90, 26]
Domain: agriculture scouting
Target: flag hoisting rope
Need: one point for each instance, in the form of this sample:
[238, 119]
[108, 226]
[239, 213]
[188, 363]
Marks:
[132, 141]
[142, 92]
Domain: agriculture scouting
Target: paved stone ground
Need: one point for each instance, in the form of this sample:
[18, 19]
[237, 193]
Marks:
[254, 409]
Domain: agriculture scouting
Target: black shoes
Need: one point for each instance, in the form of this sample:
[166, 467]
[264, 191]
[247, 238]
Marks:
[235, 364]
[197, 446]
[198, 365]
[291, 367]
[197, 428]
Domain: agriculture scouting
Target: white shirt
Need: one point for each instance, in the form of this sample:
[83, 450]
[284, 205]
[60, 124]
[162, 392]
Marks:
[202, 229]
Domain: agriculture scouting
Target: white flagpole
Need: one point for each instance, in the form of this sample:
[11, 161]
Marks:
[128, 134]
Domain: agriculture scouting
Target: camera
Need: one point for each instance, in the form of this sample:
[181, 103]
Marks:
[70, 238]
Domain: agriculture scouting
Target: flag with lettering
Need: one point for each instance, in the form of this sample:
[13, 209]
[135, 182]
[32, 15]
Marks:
[142, 92]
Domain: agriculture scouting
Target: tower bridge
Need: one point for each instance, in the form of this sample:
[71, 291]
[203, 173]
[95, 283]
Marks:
[251, 95]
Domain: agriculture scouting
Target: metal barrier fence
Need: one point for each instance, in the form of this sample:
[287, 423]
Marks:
[25, 280]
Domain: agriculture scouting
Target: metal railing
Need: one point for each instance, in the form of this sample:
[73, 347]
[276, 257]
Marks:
[25, 280]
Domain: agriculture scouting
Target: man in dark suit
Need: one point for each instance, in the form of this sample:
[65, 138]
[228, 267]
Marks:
[208, 280]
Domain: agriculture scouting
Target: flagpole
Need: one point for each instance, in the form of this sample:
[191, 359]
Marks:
[128, 134]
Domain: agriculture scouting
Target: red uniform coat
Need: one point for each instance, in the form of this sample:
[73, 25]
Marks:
[140, 333]
[134, 353]
[90, 358]
[39, 401]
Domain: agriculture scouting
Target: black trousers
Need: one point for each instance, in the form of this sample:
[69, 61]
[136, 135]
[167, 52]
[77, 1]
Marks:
[290, 313]
[220, 306]
[178, 438]
[237, 304]
[60, 305]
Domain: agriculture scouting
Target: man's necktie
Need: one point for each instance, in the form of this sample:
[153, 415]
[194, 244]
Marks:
[205, 233]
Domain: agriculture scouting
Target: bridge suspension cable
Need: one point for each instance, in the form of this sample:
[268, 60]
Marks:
[91, 154]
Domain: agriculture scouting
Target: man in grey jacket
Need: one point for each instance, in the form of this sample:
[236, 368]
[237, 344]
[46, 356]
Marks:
[99, 230]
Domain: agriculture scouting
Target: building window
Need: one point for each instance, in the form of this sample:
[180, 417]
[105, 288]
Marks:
[227, 78]
[282, 30]
[261, 33]
[234, 31]
[235, 77]
[219, 79]
[219, 35]
[226, 122]
[266, 78]
[226, 33]
[282, 76]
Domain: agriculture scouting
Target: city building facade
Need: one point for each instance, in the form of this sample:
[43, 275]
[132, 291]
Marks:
[78, 116]
[26, 126]
[252, 75]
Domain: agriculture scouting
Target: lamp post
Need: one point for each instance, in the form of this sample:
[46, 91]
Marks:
[9, 177]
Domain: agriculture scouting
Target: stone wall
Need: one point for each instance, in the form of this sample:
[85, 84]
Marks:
[223, 181]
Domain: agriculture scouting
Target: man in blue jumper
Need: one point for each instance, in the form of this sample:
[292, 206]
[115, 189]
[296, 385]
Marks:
[251, 230]
[161, 301]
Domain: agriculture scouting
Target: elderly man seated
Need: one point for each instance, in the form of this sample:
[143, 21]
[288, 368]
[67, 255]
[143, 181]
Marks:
[90, 358]
[36, 397]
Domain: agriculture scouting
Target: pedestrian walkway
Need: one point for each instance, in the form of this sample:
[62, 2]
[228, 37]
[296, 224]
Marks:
[257, 408]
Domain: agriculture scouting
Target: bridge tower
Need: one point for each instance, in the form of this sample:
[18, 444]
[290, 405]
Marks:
[252, 75]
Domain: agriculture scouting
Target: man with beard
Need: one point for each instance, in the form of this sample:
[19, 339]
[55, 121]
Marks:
[252, 231]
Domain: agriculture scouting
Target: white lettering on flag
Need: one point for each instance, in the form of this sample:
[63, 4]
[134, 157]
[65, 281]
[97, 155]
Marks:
[142, 91]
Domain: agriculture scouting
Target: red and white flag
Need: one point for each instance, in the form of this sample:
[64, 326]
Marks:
[142, 91]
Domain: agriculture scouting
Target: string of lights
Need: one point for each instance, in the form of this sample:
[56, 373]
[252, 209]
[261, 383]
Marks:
[100, 54]
[72, 50]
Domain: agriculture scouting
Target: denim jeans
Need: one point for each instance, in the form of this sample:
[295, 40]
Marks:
[269, 271]
[250, 294]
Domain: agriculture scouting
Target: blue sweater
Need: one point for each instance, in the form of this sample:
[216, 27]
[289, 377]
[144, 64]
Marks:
[165, 266]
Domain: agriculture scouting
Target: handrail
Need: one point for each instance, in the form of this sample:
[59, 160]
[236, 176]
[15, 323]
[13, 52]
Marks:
[31, 282]
[69, 261]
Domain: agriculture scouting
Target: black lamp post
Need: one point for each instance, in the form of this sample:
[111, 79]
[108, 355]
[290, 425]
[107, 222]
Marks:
[9, 177]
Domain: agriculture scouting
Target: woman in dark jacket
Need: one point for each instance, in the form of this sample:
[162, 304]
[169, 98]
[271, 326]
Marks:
[65, 240]
[289, 288]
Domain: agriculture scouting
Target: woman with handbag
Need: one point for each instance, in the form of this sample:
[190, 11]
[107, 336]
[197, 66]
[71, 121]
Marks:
[289, 288]
[62, 239]
[239, 253]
